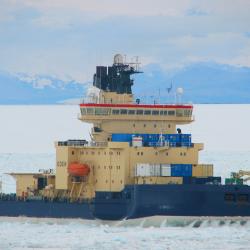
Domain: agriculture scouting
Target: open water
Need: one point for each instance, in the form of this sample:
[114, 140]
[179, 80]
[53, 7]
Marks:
[27, 134]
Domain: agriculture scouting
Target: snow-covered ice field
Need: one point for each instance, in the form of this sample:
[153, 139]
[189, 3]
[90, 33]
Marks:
[27, 134]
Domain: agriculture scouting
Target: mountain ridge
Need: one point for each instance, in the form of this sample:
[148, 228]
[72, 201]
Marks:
[204, 82]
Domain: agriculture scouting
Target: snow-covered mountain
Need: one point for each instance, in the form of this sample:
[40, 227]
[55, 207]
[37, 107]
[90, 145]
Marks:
[202, 83]
[24, 89]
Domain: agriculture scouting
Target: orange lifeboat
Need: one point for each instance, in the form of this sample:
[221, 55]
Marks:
[78, 169]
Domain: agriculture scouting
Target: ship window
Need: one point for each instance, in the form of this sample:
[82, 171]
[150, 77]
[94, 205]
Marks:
[169, 125]
[229, 197]
[112, 181]
[139, 112]
[167, 154]
[179, 112]
[134, 125]
[155, 125]
[101, 111]
[138, 153]
[144, 125]
[115, 111]
[83, 111]
[155, 112]
[186, 112]
[131, 111]
[161, 112]
[171, 112]
[243, 197]
[165, 112]
[90, 111]
[156, 153]
[147, 112]
[73, 152]
[124, 111]
[141, 153]
[92, 153]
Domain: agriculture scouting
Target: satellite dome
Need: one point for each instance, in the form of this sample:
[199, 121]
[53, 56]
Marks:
[179, 91]
[118, 59]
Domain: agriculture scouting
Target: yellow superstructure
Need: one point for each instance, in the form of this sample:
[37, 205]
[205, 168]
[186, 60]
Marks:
[112, 163]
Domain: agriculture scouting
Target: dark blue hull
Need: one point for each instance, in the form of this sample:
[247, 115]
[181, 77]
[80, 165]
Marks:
[137, 201]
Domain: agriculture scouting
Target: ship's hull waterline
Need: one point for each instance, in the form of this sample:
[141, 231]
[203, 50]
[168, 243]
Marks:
[137, 201]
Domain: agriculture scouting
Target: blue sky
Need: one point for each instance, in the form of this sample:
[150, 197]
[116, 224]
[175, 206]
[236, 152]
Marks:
[67, 38]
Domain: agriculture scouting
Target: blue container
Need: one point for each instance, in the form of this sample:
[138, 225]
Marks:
[201, 180]
[122, 137]
[173, 139]
[181, 169]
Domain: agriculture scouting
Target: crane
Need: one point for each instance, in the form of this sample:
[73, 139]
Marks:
[240, 174]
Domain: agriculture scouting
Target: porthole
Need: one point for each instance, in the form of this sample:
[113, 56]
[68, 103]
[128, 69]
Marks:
[138, 153]
[141, 153]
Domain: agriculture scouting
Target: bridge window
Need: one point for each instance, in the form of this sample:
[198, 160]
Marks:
[83, 111]
[124, 111]
[101, 111]
[187, 112]
[179, 112]
[139, 112]
[131, 111]
[115, 111]
[161, 112]
[165, 112]
[171, 112]
[147, 112]
[155, 112]
[90, 111]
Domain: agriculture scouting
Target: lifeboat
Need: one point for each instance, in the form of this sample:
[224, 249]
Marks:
[78, 169]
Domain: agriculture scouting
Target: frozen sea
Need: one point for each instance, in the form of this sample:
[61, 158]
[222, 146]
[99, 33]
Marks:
[27, 134]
